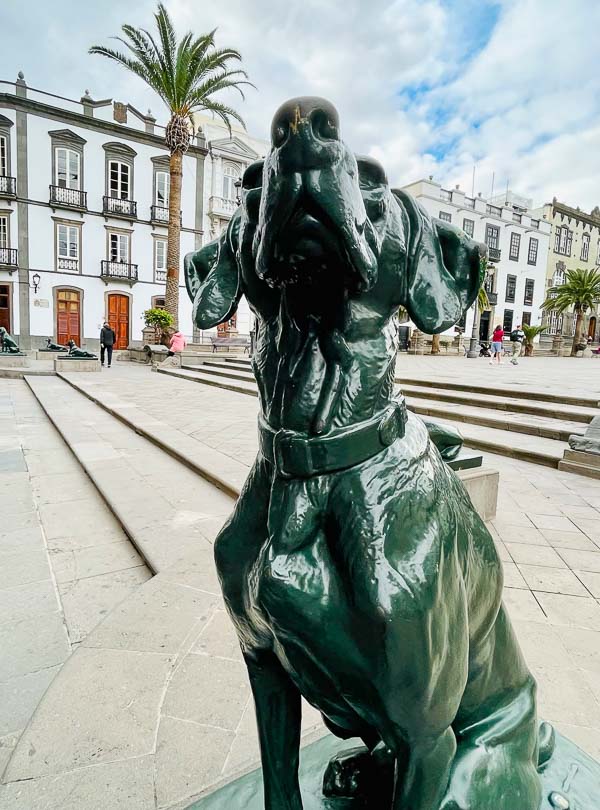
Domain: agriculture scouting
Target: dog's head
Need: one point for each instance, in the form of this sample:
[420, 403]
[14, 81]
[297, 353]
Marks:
[312, 211]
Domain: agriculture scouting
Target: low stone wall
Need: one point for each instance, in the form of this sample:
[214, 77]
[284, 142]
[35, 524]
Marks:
[482, 485]
[14, 360]
[46, 355]
[84, 364]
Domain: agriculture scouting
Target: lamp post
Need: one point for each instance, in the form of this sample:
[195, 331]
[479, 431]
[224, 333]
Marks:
[474, 341]
[237, 185]
[36, 281]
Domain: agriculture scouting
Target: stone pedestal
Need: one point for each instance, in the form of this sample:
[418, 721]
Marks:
[45, 354]
[84, 364]
[14, 360]
[580, 462]
[482, 485]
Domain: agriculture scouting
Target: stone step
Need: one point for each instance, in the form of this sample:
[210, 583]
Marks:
[519, 393]
[228, 383]
[134, 476]
[504, 420]
[220, 371]
[231, 364]
[571, 413]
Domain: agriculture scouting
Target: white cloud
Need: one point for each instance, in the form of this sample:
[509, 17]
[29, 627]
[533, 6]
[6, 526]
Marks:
[427, 86]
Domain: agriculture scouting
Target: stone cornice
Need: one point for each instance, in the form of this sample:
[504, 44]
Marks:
[27, 105]
[574, 213]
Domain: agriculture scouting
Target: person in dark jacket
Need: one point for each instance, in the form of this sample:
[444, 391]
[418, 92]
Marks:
[107, 341]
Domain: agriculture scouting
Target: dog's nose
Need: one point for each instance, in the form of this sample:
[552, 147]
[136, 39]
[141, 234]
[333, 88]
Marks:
[307, 120]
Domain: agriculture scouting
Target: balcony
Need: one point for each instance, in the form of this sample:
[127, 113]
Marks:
[71, 198]
[67, 265]
[8, 259]
[494, 254]
[159, 215]
[8, 186]
[222, 206]
[493, 210]
[115, 207]
[160, 276]
[118, 271]
[492, 298]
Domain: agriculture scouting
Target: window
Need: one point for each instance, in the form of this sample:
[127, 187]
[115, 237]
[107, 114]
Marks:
[118, 247]
[158, 302]
[118, 180]
[67, 173]
[515, 244]
[469, 227]
[555, 322]
[563, 239]
[160, 260]
[492, 236]
[3, 231]
[508, 320]
[559, 275]
[67, 248]
[3, 155]
[231, 173]
[511, 286]
[162, 189]
[445, 217]
[585, 247]
[533, 251]
[529, 287]
[526, 318]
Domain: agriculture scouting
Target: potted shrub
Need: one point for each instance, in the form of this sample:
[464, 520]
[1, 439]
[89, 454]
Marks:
[160, 320]
[531, 332]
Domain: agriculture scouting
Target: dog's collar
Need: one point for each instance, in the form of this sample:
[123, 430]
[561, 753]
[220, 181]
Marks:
[296, 455]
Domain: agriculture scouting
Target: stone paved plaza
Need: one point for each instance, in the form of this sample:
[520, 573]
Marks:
[110, 599]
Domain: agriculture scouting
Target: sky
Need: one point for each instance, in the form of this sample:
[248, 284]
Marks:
[428, 87]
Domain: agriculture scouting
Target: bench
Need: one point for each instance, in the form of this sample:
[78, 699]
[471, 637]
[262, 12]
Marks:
[217, 342]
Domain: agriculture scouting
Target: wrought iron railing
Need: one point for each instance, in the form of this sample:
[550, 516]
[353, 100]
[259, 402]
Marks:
[8, 186]
[119, 271]
[492, 298]
[70, 265]
[8, 257]
[158, 213]
[494, 254]
[117, 207]
[160, 276]
[69, 197]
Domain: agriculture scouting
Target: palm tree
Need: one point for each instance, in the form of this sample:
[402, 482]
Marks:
[531, 332]
[580, 290]
[186, 75]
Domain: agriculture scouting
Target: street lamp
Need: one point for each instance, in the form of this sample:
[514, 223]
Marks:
[237, 185]
[36, 281]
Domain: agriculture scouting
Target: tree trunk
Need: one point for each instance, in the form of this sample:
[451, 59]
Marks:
[579, 315]
[174, 236]
[435, 344]
[529, 350]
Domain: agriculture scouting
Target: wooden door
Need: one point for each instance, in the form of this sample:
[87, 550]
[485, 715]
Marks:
[227, 327]
[68, 317]
[5, 307]
[592, 328]
[118, 318]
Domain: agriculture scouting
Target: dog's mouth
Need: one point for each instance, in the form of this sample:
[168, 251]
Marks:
[310, 226]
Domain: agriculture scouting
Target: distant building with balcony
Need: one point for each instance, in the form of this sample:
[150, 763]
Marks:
[84, 196]
[574, 244]
[517, 241]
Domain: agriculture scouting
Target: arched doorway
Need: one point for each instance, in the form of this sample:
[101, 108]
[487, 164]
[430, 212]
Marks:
[118, 318]
[592, 328]
[68, 316]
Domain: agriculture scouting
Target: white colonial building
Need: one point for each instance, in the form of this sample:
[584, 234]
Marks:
[84, 194]
[517, 243]
[229, 155]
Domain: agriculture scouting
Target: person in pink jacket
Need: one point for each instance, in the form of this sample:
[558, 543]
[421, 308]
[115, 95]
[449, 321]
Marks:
[176, 344]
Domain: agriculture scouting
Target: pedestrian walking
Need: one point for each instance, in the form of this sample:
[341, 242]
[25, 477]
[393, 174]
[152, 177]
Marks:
[517, 336]
[177, 343]
[497, 349]
[108, 339]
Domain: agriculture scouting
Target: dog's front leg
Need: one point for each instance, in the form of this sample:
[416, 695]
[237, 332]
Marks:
[427, 774]
[278, 716]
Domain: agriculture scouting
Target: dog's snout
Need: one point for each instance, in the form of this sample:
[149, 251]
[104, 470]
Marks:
[309, 118]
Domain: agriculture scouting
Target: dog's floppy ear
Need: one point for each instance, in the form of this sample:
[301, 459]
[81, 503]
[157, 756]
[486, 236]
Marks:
[212, 279]
[444, 269]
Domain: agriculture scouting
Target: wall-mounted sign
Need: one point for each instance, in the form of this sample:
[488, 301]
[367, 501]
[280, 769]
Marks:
[41, 302]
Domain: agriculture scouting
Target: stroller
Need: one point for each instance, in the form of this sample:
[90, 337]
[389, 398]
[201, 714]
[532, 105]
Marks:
[485, 349]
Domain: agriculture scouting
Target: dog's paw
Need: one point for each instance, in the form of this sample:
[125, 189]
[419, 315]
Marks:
[359, 773]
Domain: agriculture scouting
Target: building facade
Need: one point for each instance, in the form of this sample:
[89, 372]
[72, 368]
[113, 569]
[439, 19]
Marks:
[229, 155]
[84, 195]
[574, 244]
[517, 242]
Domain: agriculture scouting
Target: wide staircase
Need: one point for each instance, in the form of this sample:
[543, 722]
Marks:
[521, 423]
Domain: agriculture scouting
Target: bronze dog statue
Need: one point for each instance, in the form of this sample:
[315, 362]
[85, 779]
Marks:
[354, 566]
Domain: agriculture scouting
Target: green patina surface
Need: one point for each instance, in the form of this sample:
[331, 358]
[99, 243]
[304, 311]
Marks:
[571, 775]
